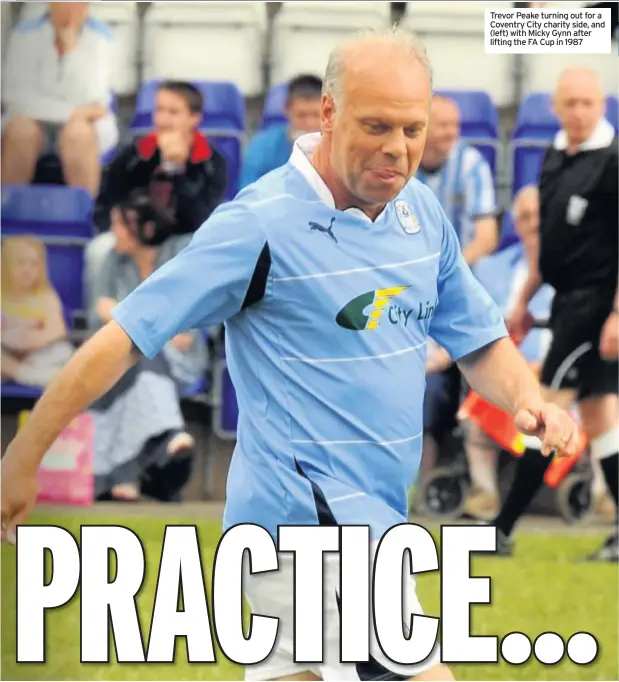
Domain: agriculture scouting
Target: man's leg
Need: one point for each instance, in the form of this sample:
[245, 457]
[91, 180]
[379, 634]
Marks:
[529, 477]
[22, 144]
[438, 673]
[600, 418]
[481, 452]
[79, 153]
[310, 677]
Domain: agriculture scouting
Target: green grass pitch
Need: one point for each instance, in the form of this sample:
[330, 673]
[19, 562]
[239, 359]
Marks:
[543, 588]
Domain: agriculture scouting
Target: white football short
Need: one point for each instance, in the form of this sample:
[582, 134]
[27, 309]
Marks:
[271, 594]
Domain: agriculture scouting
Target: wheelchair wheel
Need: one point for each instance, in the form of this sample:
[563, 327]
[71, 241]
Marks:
[574, 497]
[443, 493]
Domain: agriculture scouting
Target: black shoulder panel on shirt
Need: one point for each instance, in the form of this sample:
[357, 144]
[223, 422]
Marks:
[258, 284]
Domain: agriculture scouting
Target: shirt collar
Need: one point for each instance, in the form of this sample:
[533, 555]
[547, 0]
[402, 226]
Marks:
[200, 148]
[601, 137]
[300, 159]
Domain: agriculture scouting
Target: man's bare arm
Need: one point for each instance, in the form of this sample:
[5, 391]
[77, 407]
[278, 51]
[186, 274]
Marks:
[94, 369]
[530, 242]
[485, 241]
[500, 374]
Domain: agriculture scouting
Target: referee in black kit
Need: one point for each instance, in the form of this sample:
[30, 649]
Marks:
[577, 254]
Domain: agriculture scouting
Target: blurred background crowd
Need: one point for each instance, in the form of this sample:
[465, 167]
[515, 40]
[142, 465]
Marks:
[124, 125]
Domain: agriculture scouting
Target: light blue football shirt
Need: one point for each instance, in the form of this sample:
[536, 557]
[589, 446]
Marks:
[464, 187]
[327, 319]
[503, 274]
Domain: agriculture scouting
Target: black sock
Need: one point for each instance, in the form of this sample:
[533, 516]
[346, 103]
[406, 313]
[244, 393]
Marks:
[610, 467]
[529, 478]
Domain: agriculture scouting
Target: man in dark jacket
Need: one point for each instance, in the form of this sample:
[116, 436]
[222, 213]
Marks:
[176, 163]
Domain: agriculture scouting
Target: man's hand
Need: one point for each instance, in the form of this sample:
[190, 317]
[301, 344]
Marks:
[183, 341]
[552, 425]
[519, 322]
[174, 147]
[19, 492]
[90, 112]
[609, 344]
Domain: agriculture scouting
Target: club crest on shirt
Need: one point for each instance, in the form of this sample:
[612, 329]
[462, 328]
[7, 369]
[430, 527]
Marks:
[407, 219]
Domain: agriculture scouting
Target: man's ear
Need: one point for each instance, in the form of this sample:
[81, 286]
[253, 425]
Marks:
[327, 113]
[195, 120]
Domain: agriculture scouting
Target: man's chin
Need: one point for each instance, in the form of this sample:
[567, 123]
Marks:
[384, 194]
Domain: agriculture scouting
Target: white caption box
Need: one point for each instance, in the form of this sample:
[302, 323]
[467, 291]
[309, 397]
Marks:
[547, 30]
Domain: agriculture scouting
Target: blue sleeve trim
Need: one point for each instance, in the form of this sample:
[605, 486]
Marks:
[30, 25]
[100, 27]
[134, 331]
[482, 338]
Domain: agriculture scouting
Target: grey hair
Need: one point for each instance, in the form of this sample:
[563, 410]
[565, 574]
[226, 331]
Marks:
[395, 35]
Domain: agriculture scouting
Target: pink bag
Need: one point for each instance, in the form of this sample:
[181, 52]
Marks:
[66, 472]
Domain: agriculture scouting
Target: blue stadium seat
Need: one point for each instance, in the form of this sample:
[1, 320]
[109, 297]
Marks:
[61, 217]
[223, 121]
[225, 409]
[479, 122]
[12, 390]
[612, 110]
[198, 388]
[274, 106]
[56, 211]
[536, 126]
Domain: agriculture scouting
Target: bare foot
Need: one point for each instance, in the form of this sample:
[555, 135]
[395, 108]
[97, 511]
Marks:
[125, 491]
[181, 441]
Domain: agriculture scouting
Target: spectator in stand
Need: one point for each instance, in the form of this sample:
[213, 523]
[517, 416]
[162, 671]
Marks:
[175, 163]
[56, 92]
[462, 181]
[271, 148]
[141, 445]
[35, 338]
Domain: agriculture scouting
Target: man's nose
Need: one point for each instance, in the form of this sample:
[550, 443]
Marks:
[395, 144]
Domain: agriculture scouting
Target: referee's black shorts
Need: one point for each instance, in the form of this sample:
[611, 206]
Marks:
[573, 360]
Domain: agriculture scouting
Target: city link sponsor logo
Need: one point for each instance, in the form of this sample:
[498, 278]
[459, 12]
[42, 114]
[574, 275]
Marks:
[365, 311]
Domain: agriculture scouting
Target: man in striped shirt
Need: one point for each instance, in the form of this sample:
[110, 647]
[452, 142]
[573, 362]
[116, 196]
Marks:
[462, 181]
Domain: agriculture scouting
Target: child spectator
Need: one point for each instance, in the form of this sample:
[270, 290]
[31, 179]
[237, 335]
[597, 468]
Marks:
[34, 334]
[56, 93]
[271, 148]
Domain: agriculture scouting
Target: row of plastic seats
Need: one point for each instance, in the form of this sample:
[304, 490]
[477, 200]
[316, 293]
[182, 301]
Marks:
[453, 35]
[225, 40]
[224, 122]
[61, 218]
[536, 126]
[231, 41]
